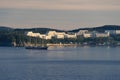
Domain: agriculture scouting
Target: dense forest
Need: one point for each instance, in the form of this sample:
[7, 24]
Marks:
[17, 37]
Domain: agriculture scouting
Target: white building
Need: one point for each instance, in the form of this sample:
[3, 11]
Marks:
[81, 32]
[111, 32]
[87, 35]
[71, 35]
[60, 35]
[48, 37]
[95, 34]
[33, 34]
[103, 34]
[43, 36]
[50, 34]
[117, 31]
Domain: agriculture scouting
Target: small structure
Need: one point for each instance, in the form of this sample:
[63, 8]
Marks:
[71, 35]
[51, 33]
[106, 34]
[95, 34]
[33, 34]
[87, 35]
[111, 32]
[117, 32]
[81, 32]
[60, 35]
[48, 37]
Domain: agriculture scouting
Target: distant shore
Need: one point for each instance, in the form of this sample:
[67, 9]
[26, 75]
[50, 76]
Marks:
[64, 44]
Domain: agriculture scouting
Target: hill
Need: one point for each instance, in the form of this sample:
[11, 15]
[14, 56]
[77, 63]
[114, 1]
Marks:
[40, 30]
[16, 37]
[44, 30]
[101, 28]
[4, 28]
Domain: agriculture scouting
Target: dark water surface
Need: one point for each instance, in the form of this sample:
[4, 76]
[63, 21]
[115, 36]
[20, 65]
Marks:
[60, 63]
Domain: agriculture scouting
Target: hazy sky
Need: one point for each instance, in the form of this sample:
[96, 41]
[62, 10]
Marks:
[60, 14]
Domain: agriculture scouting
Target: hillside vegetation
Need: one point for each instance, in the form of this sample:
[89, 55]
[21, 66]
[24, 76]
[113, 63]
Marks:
[17, 37]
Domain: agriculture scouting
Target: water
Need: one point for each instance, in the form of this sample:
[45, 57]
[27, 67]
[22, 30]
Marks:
[60, 63]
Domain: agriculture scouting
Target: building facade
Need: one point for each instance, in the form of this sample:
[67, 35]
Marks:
[81, 32]
[87, 35]
[106, 34]
[51, 34]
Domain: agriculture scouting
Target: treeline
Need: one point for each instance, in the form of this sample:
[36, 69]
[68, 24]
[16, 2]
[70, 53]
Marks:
[18, 38]
[99, 29]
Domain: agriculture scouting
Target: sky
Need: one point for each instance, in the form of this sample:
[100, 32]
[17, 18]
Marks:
[59, 14]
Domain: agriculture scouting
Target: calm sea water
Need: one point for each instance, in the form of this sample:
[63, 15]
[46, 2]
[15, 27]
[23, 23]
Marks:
[60, 63]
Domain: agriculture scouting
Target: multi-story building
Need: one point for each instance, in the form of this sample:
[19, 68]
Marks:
[50, 34]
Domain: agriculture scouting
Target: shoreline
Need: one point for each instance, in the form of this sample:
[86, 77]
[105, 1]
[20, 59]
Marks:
[67, 45]
[62, 44]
